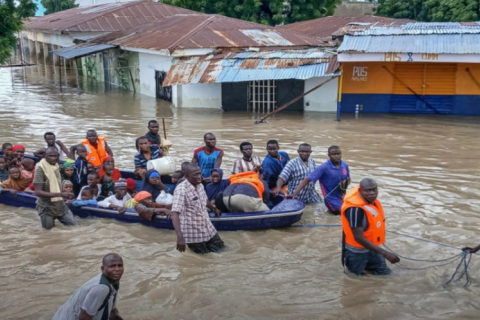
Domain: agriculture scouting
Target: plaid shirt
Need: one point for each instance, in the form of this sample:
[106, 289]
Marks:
[240, 165]
[191, 203]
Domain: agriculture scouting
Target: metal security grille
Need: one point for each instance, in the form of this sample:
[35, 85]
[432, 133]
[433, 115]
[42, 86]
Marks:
[262, 95]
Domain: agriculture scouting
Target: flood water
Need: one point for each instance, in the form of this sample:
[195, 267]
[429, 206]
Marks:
[426, 168]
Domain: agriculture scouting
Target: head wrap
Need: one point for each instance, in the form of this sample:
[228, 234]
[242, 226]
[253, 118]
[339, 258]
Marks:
[131, 184]
[154, 175]
[18, 146]
[142, 195]
[121, 183]
[212, 189]
[106, 158]
[153, 189]
[67, 164]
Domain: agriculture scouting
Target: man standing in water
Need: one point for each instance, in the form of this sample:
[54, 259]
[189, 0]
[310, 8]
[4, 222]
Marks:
[190, 217]
[52, 141]
[273, 165]
[208, 157]
[97, 148]
[97, 298]
[248, 162]
[364, 227]
[334, 177]
[152, 134]
[47, 182]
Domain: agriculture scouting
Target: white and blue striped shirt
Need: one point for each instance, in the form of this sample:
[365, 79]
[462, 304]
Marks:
[294, 173]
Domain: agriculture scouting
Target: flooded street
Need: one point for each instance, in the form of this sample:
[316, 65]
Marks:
[427, 169]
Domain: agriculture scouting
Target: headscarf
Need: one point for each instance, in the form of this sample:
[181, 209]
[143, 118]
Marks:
[65, 165]
[212, 189]
[19, 184]
[116, 173]
[18, 146]
[142, 195]
[131, 184]
[154, 190]
[121, 183]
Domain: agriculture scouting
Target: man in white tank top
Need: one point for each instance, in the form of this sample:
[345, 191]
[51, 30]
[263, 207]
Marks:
[52, 141]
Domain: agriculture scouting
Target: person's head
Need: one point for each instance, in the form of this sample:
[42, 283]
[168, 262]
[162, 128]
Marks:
[184, 166]
[143, 144]
[304, 151]
[50, 138]
[51, 155]
[81, 151]
[18, 152]
[92, 136]
[210, 140]
[14, 173]
[120, 189]
[87, 193]
[153, 126]
[193, 174]
[368, 190]
[40, 153]
[7, 149]
[68, 169]
[67, 186]
[335, 154]
[177, 175]
[144, 198]
[216, 175]
[247, 149]
[131, 185]
[109, 161]
[108, 169]
[154, 178]
[112, 266]
[272, 148]
[90, 167]
[28, 164]
[3, 163]
[92, 179]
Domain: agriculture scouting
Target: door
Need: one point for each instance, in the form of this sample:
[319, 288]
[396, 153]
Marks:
[423, 88]
[288, 90]
[161, 92]
[235, 96]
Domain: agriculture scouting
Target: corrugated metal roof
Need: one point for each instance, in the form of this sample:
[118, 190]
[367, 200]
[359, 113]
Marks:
[81, 50]
[421, 28]
[204, 31]
[241, 67]
[105, 17]
[434, 43]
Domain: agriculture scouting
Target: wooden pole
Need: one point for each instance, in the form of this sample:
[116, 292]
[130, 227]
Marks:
[164, 130]
[76, 74]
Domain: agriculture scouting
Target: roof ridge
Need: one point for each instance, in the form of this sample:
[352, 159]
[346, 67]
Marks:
[193, 31]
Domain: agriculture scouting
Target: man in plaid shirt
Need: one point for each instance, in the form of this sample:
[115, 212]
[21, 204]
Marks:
[190, 216]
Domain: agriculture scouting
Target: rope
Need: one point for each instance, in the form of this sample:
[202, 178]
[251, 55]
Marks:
[424, 260]
[465, 272]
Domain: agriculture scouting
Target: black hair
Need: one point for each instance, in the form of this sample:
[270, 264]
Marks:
[94, 173]
[152, 122]
[107, 256]
[243, 144]
[304, 145]
[48, 134]
[333, 148]
[91, 130]
[272, 142]
[6, 144]
[87, 189]
[206, 134]
[51, 149]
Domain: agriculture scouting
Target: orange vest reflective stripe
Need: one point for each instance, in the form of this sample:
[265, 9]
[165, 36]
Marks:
[250, 178]
[374, 214]
[96, 155]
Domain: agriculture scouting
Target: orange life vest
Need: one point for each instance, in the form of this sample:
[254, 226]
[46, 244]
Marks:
[250, 178]
[96, 155]
[374, 214]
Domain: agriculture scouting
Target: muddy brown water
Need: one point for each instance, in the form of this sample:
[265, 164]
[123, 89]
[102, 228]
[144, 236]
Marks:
[426, 167]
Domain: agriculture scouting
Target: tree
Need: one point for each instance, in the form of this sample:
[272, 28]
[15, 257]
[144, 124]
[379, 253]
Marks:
[52, 6]
[269, 12]
[431, 10]
[11, 23]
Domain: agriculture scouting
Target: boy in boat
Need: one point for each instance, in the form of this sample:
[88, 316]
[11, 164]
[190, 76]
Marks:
[81, 169]
[87, 197]
[7, 149]
[273, 165]
[208, 157]
[93, 183]
[118, 200]
[52, 141]
[146, 152]
[3, 169]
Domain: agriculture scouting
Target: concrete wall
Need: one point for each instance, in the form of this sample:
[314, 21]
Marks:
[355, 8]
[149, 63]
[324, 99]
[199, 95]
[61, 40]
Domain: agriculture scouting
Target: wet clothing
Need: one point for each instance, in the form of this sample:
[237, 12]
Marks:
[242, 165]
[215, 244]
[206, 161]
[272, 167]
[330, 177]
[370, 261]
[140, 160]
[97, 297]
[154, 139]
[243, 197]
[212, 189]
[294, 173]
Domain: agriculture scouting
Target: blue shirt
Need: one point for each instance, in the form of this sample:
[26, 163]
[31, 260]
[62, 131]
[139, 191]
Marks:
[329, 177]
[206, 162]
[272, 167]
[81, 172]
[140, 160]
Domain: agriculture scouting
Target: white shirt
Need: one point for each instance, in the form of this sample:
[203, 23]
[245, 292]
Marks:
[94, 196]
[113, 200]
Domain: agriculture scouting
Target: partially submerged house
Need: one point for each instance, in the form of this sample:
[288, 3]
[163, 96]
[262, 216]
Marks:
[212, 61]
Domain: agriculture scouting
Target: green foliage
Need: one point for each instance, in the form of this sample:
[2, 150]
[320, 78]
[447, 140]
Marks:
[269, 12]
[52, 6]
[11, 23]
[431, 10]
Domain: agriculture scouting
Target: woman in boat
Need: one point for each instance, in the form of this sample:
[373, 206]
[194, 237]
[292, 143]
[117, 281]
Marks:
[16, 182]
[153, 184]
[68, 171]
[108, 160]
[145, 207]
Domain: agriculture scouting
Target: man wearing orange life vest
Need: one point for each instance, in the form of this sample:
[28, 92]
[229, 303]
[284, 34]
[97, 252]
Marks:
[97, 148]
[246, 193]
[363, 223]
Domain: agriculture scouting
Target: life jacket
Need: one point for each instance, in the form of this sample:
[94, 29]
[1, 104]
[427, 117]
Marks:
[374, 214]
[250, 178]
[96, 155]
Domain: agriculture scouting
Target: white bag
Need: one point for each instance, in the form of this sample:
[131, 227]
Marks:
[164, 165]
[164, 198]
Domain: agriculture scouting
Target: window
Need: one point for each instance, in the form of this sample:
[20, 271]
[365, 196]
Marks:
[262, 96]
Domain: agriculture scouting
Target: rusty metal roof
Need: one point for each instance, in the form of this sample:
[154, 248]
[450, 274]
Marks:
[238, 67]
[105, 17]
[326, 26]
[204, 31]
